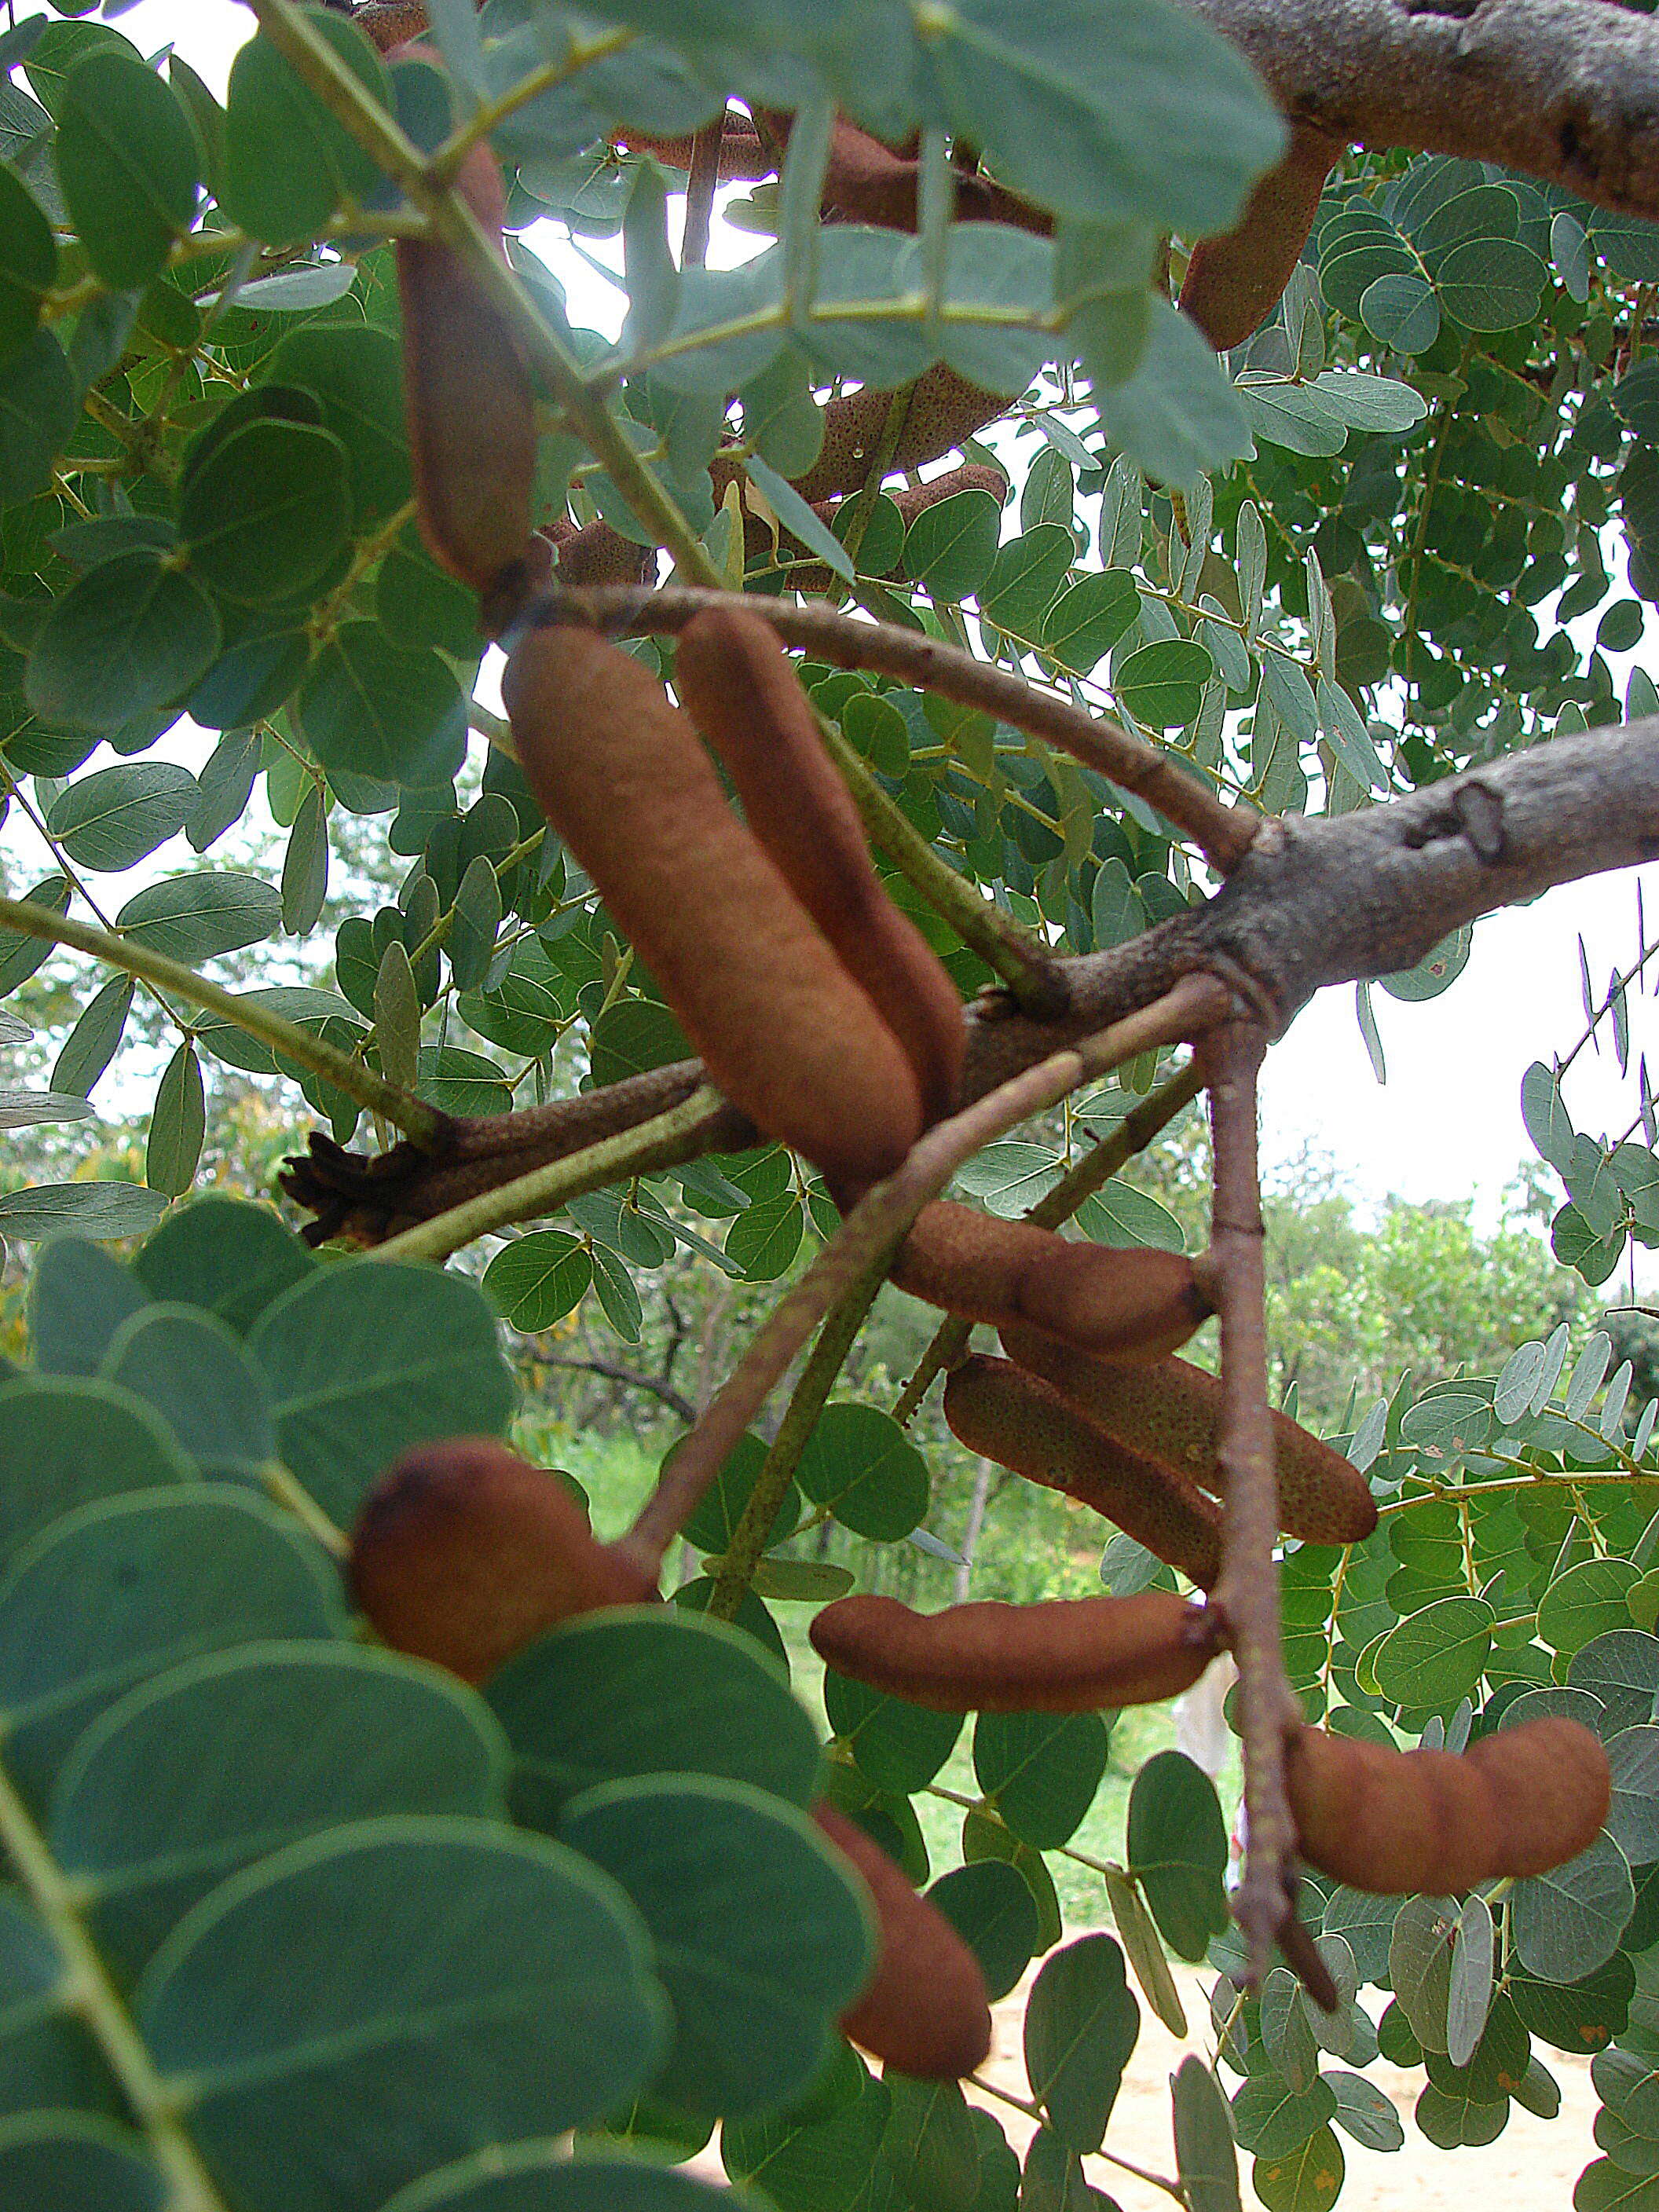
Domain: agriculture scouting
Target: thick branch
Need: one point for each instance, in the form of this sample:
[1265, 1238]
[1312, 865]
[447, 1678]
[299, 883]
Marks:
[703, 1123]
[1567, 90]
[366, 1200]
[1319, 903]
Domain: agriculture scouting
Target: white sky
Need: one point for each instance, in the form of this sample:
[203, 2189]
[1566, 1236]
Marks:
[1448, 1123]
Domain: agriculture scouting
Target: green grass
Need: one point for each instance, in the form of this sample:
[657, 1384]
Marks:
[616, 1470]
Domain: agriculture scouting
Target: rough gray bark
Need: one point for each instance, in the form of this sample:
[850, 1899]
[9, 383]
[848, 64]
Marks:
[1566, 90]
[1318, 902]
[1312, 903]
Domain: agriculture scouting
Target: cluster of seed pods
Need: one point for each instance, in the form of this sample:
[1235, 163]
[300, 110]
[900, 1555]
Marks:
[822, 1013]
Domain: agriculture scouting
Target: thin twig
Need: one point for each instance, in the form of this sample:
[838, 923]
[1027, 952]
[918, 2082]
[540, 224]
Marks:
[1080, 1181]
[877, 1223]
[1223, 834]
[1248, 1592]
[748, 1542]
[1033, 974]
[700, 191]
[675, 1401]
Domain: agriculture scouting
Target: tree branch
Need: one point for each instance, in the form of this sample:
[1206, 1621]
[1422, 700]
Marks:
[1223, 834]
[1333, 900]
[877, 1225]
[1325, 902]
[1247, 1594]
[366, 1200]
[703, 1123]
[1567, 90]
[680, 1406]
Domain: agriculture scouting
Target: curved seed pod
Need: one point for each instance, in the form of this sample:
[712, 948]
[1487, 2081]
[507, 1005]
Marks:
[1066, 1656]
[912, 500]
[740, 689]
[469, 400]
[463, 1554]
[926, 2013]
[783, 1030]
[1400, 1823]
[945, 408]
[994, 1408]
[1171, 1411]
[1120, 1304]
[1234, 283]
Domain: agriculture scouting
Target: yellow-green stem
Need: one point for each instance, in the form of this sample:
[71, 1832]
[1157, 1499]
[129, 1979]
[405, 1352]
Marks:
[418, 1121]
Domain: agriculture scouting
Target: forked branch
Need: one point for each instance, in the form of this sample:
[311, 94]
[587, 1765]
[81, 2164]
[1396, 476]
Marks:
[877, 1224]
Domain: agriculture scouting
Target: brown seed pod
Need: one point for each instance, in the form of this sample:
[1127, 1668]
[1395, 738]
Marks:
[926, 2013]
[740, 689]
[1120, 1304]
[1066, 1656]
[391, 22]
[1401, 1823]
[911, 499]
[945, 408]
[995, 1408]
[463, 1554]
[1171, 1411]
[743, 159]
[597, 553]
[1234, 283]
[468, 398]
[868, 182]
[784, 1031]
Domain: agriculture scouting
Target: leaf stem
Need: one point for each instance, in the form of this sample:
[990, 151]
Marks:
[418, 1121]
[94, 1995]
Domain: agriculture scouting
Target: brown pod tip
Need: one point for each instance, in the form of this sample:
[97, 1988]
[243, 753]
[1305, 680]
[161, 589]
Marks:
[1234, 283]
[783, 1030]
[1119, 1304]
[1066, 1655]
[469, 400]
[926, 2011]
[996, 1409]
[740, 689]
[1403, 1823]
[1171, 1411]
[462, 1553]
